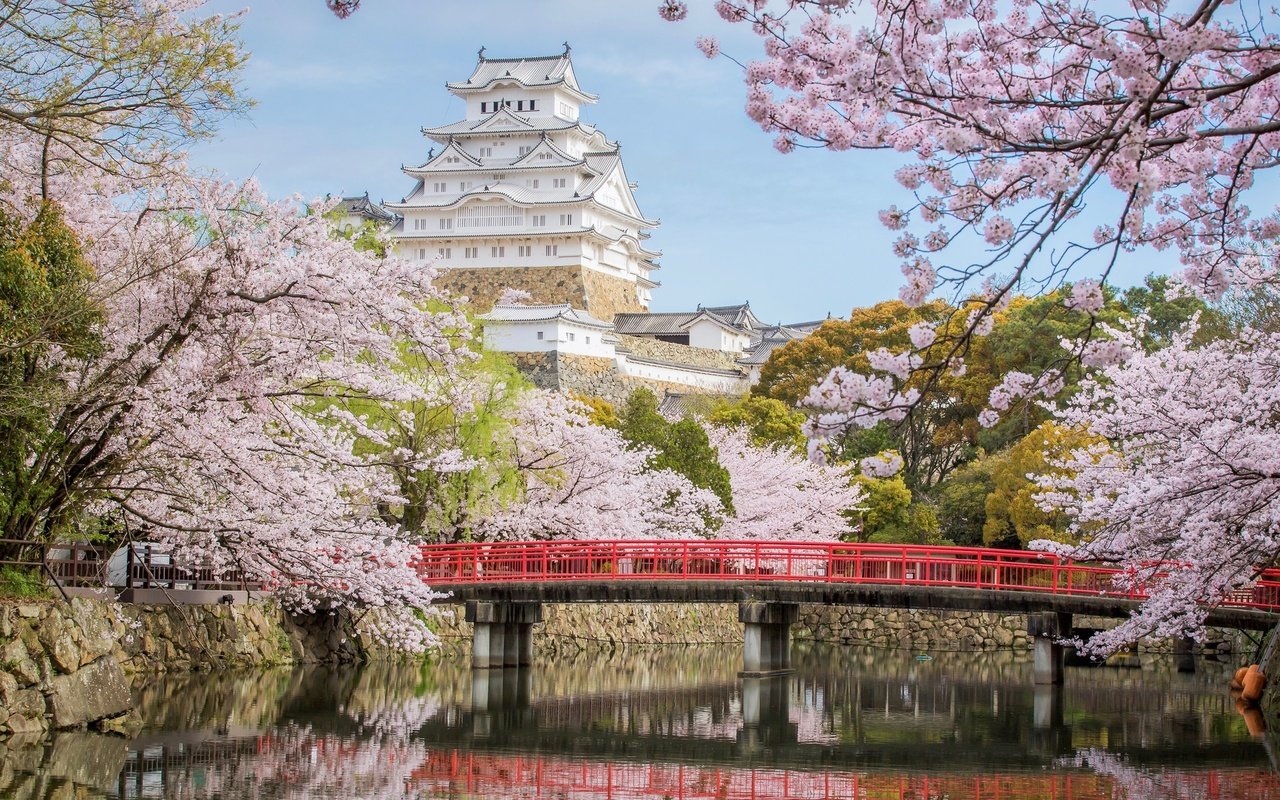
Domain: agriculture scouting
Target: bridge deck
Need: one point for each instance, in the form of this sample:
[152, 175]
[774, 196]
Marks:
[713, 571]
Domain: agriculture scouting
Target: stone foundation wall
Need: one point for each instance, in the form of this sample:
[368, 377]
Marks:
[677, 353]
[542, 369]
[66, 665]
[483, 285]
[608, 295]
[574, 627]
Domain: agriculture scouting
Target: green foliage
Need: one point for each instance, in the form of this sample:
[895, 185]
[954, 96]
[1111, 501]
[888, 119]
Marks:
[45, 305]
[442, 505]
[116, 82]
[770, 422]
[886, 508]
[23, 583]
[368, 238]
[962, 503]
[1014, 516]
[1166, 316]
[680, 446]
[601, 411]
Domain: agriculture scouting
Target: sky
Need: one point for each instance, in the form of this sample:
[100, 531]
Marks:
[341, 104]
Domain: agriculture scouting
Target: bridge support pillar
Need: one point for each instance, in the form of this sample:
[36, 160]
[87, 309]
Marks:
[502, 633]
[1184, 654]
[1046, 631]
[766, 636]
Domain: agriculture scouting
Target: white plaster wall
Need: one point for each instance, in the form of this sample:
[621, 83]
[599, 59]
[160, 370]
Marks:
[561, 335]
[674, 374]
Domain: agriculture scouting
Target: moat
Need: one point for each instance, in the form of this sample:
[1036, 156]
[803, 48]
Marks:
[673, 722]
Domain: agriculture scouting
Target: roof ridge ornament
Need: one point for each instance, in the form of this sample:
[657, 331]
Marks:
[480, 53]
[567, 48]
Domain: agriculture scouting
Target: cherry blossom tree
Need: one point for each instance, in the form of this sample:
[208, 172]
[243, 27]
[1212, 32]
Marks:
[205, 414]
[779, 495]
[1185, 491]
[583, 481]
[1010, 120]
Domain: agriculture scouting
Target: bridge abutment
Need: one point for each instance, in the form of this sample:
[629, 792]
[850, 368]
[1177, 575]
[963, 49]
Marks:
[1047, 630]
[502, 633]
[766, 636]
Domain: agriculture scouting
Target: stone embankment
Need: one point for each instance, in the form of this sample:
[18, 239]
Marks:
[68, 665]
[571, 628]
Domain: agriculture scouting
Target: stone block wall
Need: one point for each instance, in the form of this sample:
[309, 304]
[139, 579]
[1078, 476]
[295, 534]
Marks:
[66, 665]
[482, 286]
[598, 294]
[607, 295]
[677, 353]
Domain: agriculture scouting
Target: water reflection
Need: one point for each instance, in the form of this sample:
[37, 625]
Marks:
[675, 723]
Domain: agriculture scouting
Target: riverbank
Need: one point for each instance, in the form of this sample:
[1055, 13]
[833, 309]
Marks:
[69, 665]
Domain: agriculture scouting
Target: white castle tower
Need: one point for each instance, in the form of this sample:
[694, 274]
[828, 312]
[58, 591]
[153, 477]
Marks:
[522, 194]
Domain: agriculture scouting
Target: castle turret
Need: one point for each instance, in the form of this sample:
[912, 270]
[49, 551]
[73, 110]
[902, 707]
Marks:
[523, 194]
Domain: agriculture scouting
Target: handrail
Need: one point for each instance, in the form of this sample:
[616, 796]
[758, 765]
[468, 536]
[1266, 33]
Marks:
[815, 562]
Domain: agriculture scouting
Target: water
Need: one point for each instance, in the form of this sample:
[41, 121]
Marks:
[670, 723]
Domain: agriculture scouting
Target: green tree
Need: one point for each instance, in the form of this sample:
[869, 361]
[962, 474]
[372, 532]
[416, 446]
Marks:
[770, 422]
[117, 83]
[1014, 515]
[46, 307]
[1167, 315]
[886, 511]
[962, 503]
[680, 446]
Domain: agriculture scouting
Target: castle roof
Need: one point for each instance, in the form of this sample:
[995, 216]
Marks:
[529, 72]
[542, 313]
[364, 207]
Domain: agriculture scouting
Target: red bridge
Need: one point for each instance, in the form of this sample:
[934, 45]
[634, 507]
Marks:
[503, 584]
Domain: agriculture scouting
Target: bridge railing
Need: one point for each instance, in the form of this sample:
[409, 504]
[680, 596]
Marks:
[823, 562]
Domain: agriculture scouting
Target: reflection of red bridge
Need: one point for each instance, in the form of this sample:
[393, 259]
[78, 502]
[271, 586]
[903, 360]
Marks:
[445, 772]
[836, 564]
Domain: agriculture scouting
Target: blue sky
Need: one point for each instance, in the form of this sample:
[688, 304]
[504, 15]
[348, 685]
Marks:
[341, 105]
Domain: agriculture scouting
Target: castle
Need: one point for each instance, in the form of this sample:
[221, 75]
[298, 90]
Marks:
[523, 195]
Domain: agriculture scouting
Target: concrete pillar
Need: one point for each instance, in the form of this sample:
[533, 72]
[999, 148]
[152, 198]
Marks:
[502, 633]
[766, 640]
[1047, 630]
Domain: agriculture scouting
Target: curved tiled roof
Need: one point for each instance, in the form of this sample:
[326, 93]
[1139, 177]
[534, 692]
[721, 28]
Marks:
[521, 313]
[534, 71]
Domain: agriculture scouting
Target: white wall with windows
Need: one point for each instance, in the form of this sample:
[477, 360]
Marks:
[543, 336]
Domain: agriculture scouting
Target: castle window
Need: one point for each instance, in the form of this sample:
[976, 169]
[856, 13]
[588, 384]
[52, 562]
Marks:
[553, 249]
[446, 224]
[539, 335]
[441, 187]
[525, 148]
[588, 338]
[497, 252]
[566, 219]
[445, 252]
[484, 108]
[490, 215]
[532, 183]
[472, 252]
[558, 183]
[422, 253]
[485, 152]
[533, 105]
[569, 336]
[539, 220]
[525, 250]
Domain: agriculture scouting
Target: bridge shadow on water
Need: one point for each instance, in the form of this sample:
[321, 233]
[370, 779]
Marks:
[669, 723]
